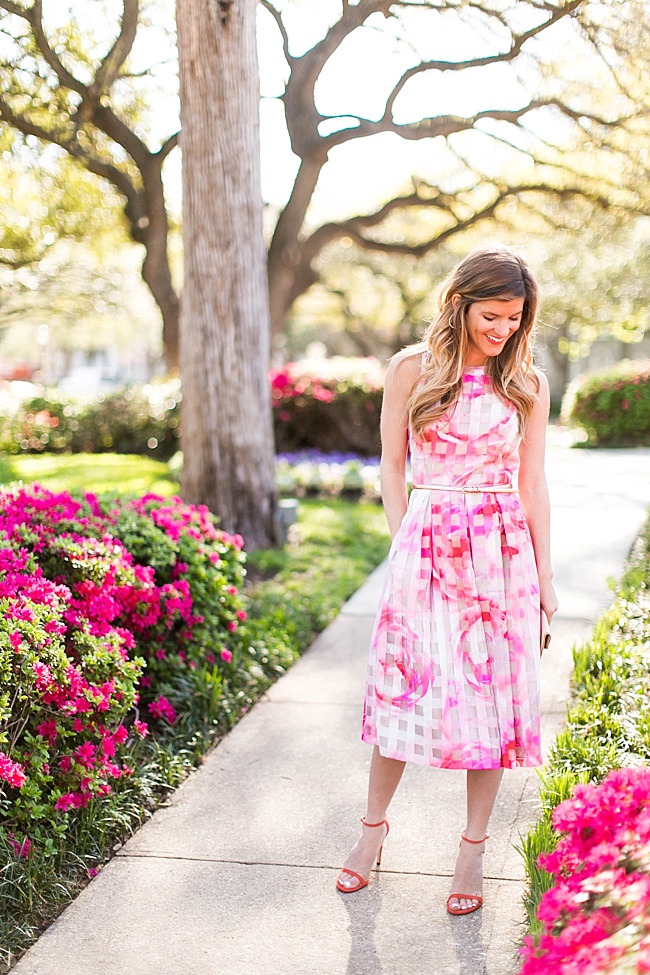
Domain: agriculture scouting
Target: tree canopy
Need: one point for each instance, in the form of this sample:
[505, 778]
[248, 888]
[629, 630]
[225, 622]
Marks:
[593, 265]
[513, 101]
[556, 97]
[84, 85]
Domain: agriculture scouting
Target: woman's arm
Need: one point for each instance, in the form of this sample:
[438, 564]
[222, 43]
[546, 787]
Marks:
[401, 376]
[533, 491]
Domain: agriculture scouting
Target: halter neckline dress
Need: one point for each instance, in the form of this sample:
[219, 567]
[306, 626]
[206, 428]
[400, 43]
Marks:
[453, 674]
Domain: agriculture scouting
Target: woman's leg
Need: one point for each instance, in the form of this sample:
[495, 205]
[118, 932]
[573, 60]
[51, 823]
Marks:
[385, 774]
[482, 788]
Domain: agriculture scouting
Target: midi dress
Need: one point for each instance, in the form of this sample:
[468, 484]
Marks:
[453, 672]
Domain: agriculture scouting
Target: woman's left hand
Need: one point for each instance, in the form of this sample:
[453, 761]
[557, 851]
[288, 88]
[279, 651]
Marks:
[547, 598]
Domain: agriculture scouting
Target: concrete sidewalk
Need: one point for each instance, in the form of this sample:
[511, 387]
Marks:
[236, 876]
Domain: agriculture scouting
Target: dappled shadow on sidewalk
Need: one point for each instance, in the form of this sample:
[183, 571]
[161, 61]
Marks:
[364, 956]
[399, 923]
[465, 934]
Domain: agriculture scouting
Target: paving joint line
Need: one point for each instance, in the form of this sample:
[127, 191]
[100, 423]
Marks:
[298, 866]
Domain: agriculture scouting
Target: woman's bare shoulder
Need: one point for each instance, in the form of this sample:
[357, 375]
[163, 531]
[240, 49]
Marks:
[538, 383]
[405, 366]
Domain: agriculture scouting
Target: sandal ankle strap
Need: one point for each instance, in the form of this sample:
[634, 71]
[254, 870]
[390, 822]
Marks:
[384, 822]
[467, 840]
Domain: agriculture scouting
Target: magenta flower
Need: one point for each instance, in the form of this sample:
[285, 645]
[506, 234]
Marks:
[12, 772]
[85, 754]
[161, 709]
[120, 734]
[65, 802]
[43, 676]
[48, 730]
[20, 847]
[599, 910]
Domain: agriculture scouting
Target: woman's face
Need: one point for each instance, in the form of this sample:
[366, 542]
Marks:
[490, 324]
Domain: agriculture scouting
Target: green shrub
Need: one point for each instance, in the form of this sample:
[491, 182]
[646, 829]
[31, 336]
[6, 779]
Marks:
[136, 420]
[556, 786]
[612, 406]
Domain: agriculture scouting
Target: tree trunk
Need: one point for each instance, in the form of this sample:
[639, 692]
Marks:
[290, 274]
[557, 363]
[227, 426]
[156, 275]
[156, 272]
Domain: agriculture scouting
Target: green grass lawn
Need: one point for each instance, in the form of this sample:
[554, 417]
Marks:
[297, 590]
[125, 473]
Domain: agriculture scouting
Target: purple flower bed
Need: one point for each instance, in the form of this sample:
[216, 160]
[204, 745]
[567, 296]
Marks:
[314, 456]
[327, 474]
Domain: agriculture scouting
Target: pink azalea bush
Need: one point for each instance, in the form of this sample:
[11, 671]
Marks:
[109, 612]
[328, 404]
[596, 919]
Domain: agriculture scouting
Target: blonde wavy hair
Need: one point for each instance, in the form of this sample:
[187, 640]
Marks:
[492, 273]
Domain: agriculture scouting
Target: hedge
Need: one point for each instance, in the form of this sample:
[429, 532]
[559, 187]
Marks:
[612, 406]
[328, 405]
[136, 420]
[325, 404]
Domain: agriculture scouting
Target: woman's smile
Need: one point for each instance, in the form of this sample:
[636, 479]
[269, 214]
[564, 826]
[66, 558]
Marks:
[489, 326]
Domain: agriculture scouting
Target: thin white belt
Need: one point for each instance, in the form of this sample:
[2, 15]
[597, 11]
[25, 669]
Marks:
[468, 488]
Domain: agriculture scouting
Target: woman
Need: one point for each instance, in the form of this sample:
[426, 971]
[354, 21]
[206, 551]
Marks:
[454, 659]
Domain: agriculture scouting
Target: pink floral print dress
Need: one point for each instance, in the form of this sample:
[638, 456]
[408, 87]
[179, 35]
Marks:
[453, 675]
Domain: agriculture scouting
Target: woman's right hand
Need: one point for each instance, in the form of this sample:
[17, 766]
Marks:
[401, 376]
